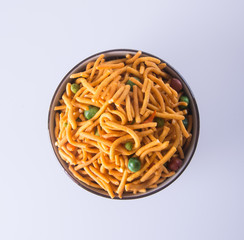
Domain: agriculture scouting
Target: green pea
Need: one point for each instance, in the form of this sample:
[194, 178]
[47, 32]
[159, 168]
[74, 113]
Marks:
[134, 164]
[65, 124]
[91, 112]
[129, 82]
[159, 121]
[129, 146]
[184, 99]
[97, 133]
[75, 87]
[185, 122]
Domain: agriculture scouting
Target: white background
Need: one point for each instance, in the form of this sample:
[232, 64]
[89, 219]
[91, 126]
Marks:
[41, 41]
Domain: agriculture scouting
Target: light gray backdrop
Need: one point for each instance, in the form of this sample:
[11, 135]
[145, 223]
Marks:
[42, 40]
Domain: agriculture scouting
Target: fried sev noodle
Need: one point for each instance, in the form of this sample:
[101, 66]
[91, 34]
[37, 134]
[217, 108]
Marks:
[100, 159]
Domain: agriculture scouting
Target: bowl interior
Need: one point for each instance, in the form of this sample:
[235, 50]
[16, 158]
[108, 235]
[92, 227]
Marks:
[113, 54]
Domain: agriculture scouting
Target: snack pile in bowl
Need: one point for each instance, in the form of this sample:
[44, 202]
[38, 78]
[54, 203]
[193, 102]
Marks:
[123, 125]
